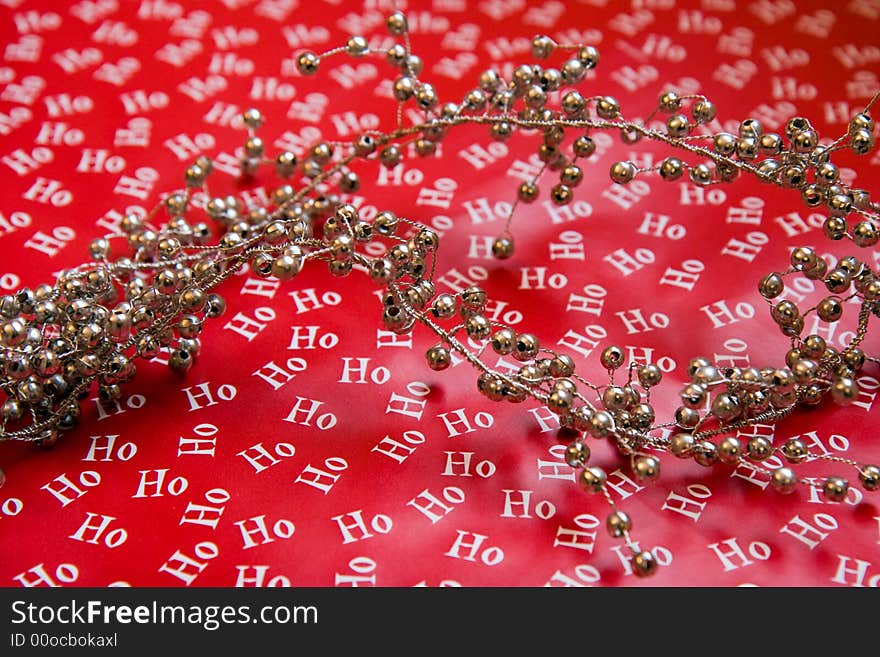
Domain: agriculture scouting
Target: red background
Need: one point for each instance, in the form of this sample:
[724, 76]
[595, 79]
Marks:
[764, 57]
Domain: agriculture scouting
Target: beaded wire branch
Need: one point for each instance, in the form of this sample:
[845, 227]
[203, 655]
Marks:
[60, 340]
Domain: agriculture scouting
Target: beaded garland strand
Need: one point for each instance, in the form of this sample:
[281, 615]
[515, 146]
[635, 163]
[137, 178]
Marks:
[87, 328]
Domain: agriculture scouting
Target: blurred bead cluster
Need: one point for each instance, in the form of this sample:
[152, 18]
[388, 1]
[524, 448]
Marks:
[150, 287]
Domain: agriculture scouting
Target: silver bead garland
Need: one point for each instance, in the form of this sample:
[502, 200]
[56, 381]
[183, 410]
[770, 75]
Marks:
[59, 341]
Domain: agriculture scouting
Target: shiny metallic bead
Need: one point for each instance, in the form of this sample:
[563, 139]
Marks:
[601, 424]
[644, 564]
[865, 233]
[215, 305]
[490, 80]
[573, 71]
[11, 410]
[614, 398]
[9, 306]
[669, 101]
[583, 146]
[30, 391]
[682, 445]
[768, 170]
[649, 375]
[646, 468]
[357, 46]
[835, 489]
[671, 169]
[861, 141]
[542, 46]
[706, 375]
[818, 272]
[770, 143]
[804, 370]
[527, 192]
[189, 326]
[308, 63]
[390, 156]
[607, 107]
[642, 416]
[827, 173]
[618, 523]
[286, 267]
[783, 480]
[589, 55]
[701, 174]
[572, 175]
[474, 298]
[771, 286]
[844, 390]
[869, 475]
[812, 195]
[838, 281]
[693, 395]
[438, 358]
[13, 332]
[795, 451]
[99, 248]
[526, 347]
[550, 79]
[592, 479]
[686, 418]
[577, 454]
[560, 401]
[726, 407]
[677, 126]
[561, 194]
[814, 346]
[705, 453]
[622, 172]
[785, 312]
[726, 172]
[792, 176]
[803, 257]
[444, 306]
[561, 365]
[180, 360]
[759, 448]
[340, 267]
[724, 143]
[385, 223]
[504, 341]
[396, 55]
[403, 88]
[477, 327]
[252, 118]
[729, 450]
[861, 121]
[364, 146]
[703, 111]
[475, 100]
[191, 299]
[795, 125]
[396, 23]
[811, 395]
[612, 357]
[839, 205]
[830, 309]
[804, 141]
[502, 247]
[45, 362]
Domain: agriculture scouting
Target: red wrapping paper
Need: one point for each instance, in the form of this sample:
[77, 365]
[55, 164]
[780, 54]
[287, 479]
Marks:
[361, 466]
